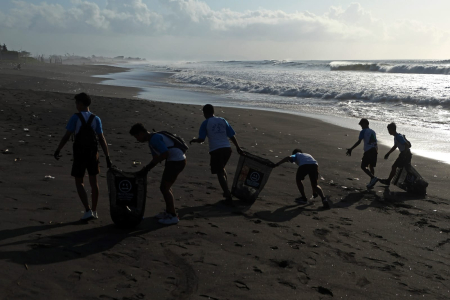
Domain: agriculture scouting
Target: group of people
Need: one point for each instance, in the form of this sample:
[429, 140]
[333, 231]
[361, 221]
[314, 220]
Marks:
[369, 159]
[87, 129]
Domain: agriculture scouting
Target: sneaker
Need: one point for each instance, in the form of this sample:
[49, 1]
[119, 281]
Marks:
[94, 214]
[162, 215]
[385, 181]
[372, 182]
[326, 203]
[87, 215]
[169, 220]
[301, 200]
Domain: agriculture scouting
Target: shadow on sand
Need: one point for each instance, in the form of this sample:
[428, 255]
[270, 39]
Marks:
[67, 245]
[387, 198]
[47, 249]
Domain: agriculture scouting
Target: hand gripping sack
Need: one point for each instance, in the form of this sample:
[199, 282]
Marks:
[252, 173]
[127, 197]
[408, 179]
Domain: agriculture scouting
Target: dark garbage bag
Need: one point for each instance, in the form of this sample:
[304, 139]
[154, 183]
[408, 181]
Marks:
[409, 179]
[251, 176]
[127, 197]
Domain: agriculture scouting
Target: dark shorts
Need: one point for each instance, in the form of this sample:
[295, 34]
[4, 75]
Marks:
[219, 159]
[82, 163]
[403, 159]
[369, 158]
[172, 169]
[312, 170]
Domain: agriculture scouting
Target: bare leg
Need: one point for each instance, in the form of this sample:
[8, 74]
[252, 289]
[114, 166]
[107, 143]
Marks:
[392, 174]
[369, 173]
[317, 189]
[94, 190]
[372, 170]
[223, 180]
[166, 190]
[301, 188]
[82, 192]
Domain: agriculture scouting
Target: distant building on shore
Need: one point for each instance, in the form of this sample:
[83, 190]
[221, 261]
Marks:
[9, 55]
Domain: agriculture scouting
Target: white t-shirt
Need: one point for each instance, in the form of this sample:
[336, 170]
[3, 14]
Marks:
[159, 143]
[218, 131]
[74, 123]
[302, 159]
[370, 138]
[400, 142]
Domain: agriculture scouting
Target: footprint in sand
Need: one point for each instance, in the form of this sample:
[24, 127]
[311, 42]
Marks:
[323, 290]
[295, 244]
[288, 284]
[241, 285]
[283, 263]
[345, 221]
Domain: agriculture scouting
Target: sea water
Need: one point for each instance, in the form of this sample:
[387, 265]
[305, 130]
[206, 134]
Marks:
[415, 94]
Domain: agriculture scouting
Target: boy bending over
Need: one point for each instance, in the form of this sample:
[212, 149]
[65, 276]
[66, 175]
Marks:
[307, 165]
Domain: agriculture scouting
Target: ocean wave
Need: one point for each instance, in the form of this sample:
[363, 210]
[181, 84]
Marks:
[388, 68]
[278, 63]
[239, 85]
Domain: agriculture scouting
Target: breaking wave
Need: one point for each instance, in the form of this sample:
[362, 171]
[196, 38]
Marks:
[441, 67]
[227, 84]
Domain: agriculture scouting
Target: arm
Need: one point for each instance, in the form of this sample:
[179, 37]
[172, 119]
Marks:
[64, 140]
[156, 146]
[201, 134]
[104, 145]
[349, 150]
[390, 151]
[286, 159]
[156, 160]
[235, 142]
[231, 134]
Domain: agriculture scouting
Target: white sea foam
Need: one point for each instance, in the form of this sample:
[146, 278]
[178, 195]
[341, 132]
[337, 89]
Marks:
[321, 90]
[442, 67]
[392, 91]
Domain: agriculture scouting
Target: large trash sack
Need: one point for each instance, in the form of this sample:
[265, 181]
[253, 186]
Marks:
[409, 179]
[251, 176]
[127, 197]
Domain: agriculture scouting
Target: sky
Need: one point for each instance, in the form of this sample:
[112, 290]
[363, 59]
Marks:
[231, 29]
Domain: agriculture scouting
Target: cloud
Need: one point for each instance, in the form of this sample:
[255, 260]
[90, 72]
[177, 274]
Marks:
[195, 18]
[83, 17]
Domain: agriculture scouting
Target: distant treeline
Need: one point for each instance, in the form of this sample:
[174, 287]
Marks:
[6, 54]
[25, 56]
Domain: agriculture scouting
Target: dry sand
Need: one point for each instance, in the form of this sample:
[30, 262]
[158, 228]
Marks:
[379, 244]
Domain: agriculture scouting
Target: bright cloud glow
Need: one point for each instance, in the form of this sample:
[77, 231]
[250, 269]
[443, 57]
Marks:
[196, 20]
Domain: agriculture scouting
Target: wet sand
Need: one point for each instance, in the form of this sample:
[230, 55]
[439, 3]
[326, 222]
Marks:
[379, 244]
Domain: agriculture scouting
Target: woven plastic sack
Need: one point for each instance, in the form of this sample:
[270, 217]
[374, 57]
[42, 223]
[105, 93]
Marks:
[251, 176]
[127, 197]
[409, 179]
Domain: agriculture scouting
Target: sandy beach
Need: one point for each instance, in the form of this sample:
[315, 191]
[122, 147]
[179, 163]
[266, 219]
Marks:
[378, 244]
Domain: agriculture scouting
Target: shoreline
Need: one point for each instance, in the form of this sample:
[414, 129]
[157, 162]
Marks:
[153, 90]
[269, 249]
[93, 85]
